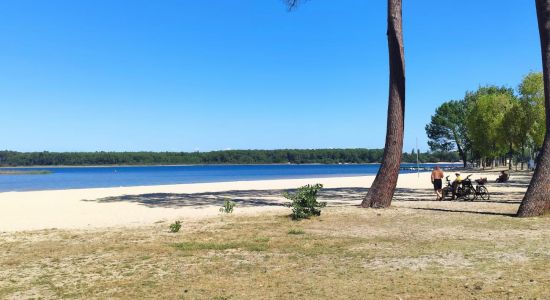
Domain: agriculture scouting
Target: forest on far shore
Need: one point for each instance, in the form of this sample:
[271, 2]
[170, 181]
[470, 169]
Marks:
[284, 156]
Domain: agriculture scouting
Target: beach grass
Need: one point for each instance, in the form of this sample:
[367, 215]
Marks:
[347, 253]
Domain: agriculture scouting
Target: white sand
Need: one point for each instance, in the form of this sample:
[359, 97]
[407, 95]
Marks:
[67, 209]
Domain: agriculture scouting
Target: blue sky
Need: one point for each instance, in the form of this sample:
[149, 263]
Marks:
[242, 74]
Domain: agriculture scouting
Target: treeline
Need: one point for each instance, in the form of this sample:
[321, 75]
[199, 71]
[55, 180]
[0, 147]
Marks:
[492, 125]
[302, 156]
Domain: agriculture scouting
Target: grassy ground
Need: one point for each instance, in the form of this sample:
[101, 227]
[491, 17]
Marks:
[346, 253]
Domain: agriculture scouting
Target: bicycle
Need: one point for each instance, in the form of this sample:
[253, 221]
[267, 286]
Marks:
[465, 190]
[481, 189]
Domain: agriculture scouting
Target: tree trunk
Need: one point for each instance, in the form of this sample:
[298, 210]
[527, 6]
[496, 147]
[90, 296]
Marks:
[522, 155]
[537, 198]
[462, 154]
[510, 155]
[461, 151]
[381, 192]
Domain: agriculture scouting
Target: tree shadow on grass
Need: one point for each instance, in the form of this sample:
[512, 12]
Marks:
[466, 211]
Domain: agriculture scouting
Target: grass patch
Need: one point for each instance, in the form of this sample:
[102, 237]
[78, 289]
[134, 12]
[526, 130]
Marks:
[296, 231]
[347, 253]
[221, 246]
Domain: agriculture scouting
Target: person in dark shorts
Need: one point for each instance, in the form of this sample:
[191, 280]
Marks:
[437, 181]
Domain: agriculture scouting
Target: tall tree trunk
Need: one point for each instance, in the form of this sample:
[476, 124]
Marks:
[464, 158]
[381, 192]
[462, 153]
[511, 153]
[537, 198]
[522, 155]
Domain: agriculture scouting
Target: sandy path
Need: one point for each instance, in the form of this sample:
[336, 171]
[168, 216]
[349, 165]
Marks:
[142, 205]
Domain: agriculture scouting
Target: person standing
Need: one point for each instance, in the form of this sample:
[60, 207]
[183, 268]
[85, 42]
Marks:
[456, 183]
[437, 181]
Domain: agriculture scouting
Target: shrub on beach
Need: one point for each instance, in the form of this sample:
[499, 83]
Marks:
[304, 202]
[175, 227]
[227, 207]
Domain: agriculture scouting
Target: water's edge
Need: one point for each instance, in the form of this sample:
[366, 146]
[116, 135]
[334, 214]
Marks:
[127, 176]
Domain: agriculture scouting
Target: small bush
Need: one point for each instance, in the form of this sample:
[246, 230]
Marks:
[304, 202]
[175, 227]
[296, 231]
[227, 206]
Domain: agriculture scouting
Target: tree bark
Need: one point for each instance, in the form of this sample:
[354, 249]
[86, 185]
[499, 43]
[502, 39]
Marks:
[511, 153]
[522, 155]
[381, 192]
[536, 201]
[461, 152]
[464, 158]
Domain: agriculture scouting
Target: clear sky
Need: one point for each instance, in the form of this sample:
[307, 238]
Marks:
[188, 75]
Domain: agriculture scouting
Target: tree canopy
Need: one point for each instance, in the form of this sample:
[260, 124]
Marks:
[294, 156]
[492, 121]
[447, 129]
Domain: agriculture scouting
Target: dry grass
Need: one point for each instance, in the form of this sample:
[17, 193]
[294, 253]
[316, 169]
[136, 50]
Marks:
[346, 253]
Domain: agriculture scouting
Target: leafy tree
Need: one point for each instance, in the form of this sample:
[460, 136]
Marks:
[531, 92]
[447, 129]
[516, 125]
[484, 121]
[537, 198]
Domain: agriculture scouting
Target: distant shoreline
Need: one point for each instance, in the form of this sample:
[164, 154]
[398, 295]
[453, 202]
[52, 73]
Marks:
[223, 157]
[190, 165]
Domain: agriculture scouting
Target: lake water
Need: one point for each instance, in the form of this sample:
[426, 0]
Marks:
[95, 177]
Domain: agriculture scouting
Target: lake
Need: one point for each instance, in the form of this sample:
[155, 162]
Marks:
[97, 177]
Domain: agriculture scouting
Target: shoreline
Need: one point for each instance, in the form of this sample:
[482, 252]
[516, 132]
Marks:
[329, 176]
[191, 165]
[212, 179]
[192, 183]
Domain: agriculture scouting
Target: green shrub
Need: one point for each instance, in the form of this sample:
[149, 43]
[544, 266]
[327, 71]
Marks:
[227, 206]
[304, 202]
[175, 227]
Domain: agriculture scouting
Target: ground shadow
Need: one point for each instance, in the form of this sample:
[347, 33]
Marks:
[242, 198]
[174, 200]
[465, 211]
[347, 196]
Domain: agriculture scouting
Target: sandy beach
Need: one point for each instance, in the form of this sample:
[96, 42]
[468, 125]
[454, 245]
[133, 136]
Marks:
[145, 205]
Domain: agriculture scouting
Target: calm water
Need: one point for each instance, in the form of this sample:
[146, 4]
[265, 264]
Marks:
[94, 177]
